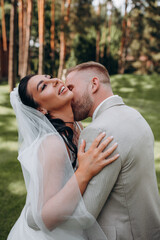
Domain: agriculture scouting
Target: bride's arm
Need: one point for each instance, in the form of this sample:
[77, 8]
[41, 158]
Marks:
[61, 196]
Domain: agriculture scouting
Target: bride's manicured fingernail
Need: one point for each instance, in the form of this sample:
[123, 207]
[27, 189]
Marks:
[104, 133]
[111, 137]
[81, 141]
[115, 144]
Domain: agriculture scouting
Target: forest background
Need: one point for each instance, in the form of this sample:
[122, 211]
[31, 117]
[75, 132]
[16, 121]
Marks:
[49, 36]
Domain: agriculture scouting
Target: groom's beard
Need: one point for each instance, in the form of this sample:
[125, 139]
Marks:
[82, 107]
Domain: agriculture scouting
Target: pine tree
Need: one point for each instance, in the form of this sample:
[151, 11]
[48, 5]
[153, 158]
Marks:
[12, 45]
[98, 33]
[27, 29]
[41, 34]
[4, 37]
[20, 29]
[122, 59]
[64, 24]
[52, 38]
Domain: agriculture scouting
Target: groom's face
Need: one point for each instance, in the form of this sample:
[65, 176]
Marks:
[78, 83]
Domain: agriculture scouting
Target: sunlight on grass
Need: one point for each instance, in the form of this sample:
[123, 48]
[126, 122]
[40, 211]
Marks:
[4, 111]
[17, 188]
[157, 150]
[9, 145]
[126, 89]
[85, 124]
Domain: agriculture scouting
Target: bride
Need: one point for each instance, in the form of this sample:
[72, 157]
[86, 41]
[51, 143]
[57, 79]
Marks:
[55, 175]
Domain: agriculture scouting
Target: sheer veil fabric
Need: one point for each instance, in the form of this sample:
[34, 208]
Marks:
[48, 173]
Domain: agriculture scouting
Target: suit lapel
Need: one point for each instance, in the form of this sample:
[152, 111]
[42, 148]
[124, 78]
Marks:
[115, 101]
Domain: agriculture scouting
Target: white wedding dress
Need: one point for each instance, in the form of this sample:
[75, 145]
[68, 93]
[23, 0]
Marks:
[48, 173]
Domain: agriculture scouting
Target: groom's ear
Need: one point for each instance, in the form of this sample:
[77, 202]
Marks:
[95, 84]
[42, 110]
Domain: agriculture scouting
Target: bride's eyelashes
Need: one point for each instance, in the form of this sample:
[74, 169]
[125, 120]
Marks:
[43, 87]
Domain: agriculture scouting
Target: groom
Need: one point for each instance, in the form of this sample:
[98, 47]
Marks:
[124, 196]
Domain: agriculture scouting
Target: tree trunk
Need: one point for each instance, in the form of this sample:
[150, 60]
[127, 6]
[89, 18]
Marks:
[109, 30]
[12, 45]
[62, 42]
[122, 59]
[4, 37]
[41, 34]
[104, 32]
[98, 33]
[20, 27]
[52, 40]
[128, 37]
[68, 11]
[64, 22]
[24, 15]
[0, 62]
[66, 19]
[27, 37]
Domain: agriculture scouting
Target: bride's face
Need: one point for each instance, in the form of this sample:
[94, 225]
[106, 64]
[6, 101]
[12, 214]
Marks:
[50, 93]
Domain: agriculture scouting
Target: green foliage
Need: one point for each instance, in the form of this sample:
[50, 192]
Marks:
[145, 36]
[143, 41]
[81, 17]
[84, 48]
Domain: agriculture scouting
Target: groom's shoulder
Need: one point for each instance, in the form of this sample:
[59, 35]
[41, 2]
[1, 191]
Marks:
[91, 131]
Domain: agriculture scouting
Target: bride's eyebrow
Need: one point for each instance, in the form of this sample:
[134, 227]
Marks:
[39, 84]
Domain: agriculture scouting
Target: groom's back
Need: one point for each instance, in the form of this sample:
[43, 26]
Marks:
[132, 203]
[132, 208]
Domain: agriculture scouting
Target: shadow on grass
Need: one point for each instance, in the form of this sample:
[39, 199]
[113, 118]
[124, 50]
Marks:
[5, 99]
[6, 127]
[12, 191]
[137, 87]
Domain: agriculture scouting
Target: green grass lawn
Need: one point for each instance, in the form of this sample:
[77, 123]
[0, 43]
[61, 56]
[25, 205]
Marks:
[140, 92]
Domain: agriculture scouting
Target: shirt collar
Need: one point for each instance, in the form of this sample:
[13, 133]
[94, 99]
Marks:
[97, 108]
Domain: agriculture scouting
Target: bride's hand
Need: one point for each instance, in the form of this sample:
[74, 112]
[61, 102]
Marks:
[95, 159]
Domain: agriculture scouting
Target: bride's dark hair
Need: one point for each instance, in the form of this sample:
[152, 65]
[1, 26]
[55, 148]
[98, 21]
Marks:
[65, 131]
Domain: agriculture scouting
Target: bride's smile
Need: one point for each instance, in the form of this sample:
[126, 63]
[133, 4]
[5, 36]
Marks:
[51, 94]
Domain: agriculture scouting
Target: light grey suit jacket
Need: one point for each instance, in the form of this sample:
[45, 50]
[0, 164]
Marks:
[124, 195]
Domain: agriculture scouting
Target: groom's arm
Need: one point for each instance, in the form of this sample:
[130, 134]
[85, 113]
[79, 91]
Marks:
[102, 184]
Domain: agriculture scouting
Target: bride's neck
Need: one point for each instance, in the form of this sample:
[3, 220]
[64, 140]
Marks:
[65, 114]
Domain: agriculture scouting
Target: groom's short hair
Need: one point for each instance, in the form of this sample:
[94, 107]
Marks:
[95, 66]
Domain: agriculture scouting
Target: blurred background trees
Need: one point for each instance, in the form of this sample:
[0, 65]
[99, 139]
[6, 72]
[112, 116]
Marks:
[48, 36]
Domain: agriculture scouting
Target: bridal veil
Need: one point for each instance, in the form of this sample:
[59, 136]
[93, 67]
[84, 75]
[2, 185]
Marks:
[47, 172]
